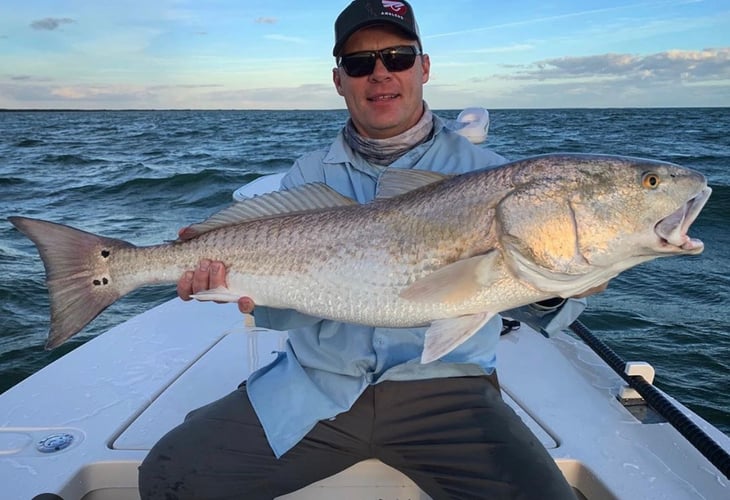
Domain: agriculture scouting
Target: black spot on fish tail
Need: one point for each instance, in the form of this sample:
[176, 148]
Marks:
[77, 274]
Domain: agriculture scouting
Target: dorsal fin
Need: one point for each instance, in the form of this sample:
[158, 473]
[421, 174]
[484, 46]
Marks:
[303, 198]
[395, 181]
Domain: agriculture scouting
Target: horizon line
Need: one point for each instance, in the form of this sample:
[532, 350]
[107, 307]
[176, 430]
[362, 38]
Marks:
[10, 110]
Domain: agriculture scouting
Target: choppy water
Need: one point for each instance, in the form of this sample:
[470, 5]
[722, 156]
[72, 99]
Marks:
[141, 175]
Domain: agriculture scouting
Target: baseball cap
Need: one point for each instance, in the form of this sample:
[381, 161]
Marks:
[362, 13]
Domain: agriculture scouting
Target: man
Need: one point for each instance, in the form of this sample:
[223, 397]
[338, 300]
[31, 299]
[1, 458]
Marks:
[342, 393]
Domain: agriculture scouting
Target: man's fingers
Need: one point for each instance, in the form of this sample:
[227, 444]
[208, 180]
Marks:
[201, 277]
[245, 305]
[208, 275]
[185, 285]
[217, 275]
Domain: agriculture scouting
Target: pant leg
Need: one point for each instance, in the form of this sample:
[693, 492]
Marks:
[220, 452]
[457, 439]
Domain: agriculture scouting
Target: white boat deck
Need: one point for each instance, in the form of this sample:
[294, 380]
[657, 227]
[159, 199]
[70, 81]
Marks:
[117, 394]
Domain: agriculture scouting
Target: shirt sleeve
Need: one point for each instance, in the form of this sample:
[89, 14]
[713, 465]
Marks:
[305, 169]
[548, 320]
[282, 319]
[294, 177]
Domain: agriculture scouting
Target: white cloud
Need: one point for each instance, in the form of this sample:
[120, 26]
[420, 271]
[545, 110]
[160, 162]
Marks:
[672, 65]
[284, 38]
[506, 49]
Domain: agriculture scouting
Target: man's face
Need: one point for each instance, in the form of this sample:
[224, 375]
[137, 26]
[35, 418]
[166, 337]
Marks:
[382, 104]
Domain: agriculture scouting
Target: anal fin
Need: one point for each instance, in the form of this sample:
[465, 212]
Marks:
[445, 335]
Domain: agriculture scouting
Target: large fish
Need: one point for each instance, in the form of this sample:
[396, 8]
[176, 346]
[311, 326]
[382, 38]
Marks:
[449, 252]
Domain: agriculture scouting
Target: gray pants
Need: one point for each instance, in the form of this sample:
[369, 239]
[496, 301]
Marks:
[454, 437]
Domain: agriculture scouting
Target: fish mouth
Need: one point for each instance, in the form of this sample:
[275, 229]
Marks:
[672, 230]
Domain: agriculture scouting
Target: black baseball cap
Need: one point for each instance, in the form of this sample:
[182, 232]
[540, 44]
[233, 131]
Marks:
[362, 13]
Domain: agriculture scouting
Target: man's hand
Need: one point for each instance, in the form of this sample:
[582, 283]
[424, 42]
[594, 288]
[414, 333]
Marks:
[209, 274]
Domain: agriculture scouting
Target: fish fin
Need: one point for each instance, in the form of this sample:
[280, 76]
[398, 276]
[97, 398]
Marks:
[396, 181]
[313, 196]
[219, 294]
[445, 335]
[80, 282]
[455, 282]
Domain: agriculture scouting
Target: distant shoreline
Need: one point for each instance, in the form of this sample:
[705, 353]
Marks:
[102, 110]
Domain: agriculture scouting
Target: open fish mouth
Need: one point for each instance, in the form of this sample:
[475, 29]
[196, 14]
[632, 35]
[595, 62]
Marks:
[672, 230]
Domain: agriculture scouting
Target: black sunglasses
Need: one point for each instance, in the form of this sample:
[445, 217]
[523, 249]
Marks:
[394, 59]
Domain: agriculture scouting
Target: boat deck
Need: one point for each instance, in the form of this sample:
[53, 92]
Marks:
[117, 394]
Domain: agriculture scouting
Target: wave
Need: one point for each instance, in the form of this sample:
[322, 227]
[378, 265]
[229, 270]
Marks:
[12, 181]
[71, 159]
[203, 189]
[28, 143]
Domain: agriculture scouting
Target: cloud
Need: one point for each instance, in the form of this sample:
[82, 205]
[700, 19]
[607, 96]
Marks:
[312, 95]
[97, 92]
[600, 11]
[669, 78]
[91, 92]
[50, 23]
[669, 66]
[30, 92]
[20, 77]
[284, 38]
[266, 20]
[515, 47]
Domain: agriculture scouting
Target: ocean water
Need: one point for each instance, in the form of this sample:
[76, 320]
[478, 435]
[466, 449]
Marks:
[142, 175]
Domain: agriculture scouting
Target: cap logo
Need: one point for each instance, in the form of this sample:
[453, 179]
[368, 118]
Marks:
[395, 7]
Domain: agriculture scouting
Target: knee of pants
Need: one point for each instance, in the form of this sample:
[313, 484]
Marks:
[165, 472]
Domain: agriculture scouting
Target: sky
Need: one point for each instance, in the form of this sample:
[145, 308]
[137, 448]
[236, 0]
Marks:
[246, 54]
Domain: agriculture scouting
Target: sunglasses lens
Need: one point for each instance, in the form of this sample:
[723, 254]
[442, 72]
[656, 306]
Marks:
[394, 59]
[357, 65]
[399, 59]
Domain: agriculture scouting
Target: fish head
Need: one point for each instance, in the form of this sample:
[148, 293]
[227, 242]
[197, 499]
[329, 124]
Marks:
[581, 219]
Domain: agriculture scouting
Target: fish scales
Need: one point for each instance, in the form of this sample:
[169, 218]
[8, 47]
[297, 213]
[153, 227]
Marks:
[447, 253]
[330, 265]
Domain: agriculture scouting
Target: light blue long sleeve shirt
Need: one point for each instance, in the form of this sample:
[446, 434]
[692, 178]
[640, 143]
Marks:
[326, 364]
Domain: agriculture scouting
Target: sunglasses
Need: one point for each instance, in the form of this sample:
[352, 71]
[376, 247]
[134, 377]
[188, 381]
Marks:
[394, 59]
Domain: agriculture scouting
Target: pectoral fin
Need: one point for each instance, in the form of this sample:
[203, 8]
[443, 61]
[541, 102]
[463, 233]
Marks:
[444, 335]
[455, 282]
[220, 294]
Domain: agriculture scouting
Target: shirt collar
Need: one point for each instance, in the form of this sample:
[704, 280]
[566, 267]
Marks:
[340, 152]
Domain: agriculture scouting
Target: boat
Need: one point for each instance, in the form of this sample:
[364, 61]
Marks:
[472, 123]
[79, 428]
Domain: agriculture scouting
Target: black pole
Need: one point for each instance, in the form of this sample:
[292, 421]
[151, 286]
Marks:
[696, 436]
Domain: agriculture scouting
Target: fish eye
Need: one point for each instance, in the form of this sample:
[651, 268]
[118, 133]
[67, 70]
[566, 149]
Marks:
[650, 180]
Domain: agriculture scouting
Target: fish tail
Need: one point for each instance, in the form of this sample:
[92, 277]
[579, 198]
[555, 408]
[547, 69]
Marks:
[78, 274]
